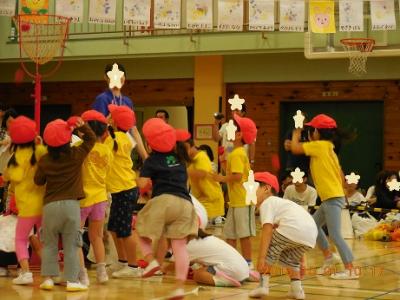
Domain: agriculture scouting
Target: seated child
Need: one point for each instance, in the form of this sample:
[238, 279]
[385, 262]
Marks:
[287, 233]
[301, 193]
[222, 265]
[353, 196]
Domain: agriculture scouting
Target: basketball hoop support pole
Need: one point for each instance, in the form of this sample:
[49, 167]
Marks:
[38, 97]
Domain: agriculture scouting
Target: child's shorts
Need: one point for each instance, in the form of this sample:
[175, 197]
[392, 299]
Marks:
[122, 207]
[285, 251]
[240, 222]
[95, 212]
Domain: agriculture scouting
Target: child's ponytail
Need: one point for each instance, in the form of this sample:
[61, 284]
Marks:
[182, 153]
[337, 136]
[112, 134]
[14, 148]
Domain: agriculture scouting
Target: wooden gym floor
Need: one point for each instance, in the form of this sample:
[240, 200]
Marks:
[378, 262]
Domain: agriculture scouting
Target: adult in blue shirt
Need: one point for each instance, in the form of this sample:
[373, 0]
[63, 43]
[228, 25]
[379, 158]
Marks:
[113, 95]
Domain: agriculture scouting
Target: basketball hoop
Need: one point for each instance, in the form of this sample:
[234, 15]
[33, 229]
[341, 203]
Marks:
[41, 38]
[358, 50]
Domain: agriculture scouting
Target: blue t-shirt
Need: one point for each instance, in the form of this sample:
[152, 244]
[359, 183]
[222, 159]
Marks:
[104, 99]
[169, 176]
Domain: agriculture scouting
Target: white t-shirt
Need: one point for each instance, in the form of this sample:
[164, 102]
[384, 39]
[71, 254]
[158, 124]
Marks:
[305, 199]
[201, 212]
[212, 251]
[8, 225]
[370, 192]
[293, 221]
[356, 199]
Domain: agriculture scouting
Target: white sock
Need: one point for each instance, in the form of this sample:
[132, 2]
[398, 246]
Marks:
[264, 280]
[295, 285]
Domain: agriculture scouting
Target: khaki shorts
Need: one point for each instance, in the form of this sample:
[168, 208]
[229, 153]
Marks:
[240, 222]
[169, 216]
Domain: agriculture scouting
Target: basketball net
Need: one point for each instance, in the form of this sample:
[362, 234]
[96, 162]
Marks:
[358, 50]
[41, 38]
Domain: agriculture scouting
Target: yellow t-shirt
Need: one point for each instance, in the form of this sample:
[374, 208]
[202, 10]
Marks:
[206, 190]
[94, 174]
[325, 169]
[121, 176]
[237, 162]
[28, 195]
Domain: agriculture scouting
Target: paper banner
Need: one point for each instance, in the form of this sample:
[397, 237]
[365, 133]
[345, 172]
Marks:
[322, 16]
[262, 15]
[382, 15]
[351, 15]
[34, 9]
[199, 14]
[292, 15]
[137, 12]
[102, 11]
[230, 15]
[7, 8]
[167, 14]
[70, 8]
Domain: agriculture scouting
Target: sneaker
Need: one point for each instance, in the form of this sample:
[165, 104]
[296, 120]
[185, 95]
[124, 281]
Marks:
[328, 263]
[75, 287]
[152, 268]
[83, 277]
[3, 272]
[58, 280]
[296, 295]
[159, 273]
[345, 275]
[47, 285]
[218, 221]
[254, 276]
[116, 267]
[222, 279]
[259, 292]
[128, 272]
[23, 278]
[101, 274]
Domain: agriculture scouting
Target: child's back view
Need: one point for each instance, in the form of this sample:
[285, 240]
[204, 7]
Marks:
[61, 171]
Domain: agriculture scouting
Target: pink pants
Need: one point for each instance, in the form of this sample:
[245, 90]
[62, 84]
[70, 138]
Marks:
[24, 227]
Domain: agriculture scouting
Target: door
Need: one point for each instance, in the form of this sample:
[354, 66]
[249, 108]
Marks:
[364, 156]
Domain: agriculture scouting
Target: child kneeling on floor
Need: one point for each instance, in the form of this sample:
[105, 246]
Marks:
[288, 231]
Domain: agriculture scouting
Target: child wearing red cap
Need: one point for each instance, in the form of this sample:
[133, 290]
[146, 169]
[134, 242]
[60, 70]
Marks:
[240, 221]
[20, 171]
[121, 184]
[170, 212]
[61, 171]
[94, 172]
[288, 231]
[329, 180]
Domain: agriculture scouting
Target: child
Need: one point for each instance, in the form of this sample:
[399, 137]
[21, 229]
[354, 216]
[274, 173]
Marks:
[29, 197]
[328, 179]
[210, 154]
[61, 171]
[287, 233]
[240, 221]
[221, 264]
[202, 186]
[354, 197]
[124, 192]
[170, 212]
[95, 168]
[301, 193]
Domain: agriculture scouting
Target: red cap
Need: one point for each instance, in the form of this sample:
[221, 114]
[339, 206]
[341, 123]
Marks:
[160, 136]
[322, 122]
[94, 115]
[123, 116]
[57, 133]
[247, 127]
[22, 130]
[182, 135]
[268, 178]
[72, 121]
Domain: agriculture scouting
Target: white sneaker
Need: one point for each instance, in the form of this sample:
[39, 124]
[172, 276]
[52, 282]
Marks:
[116, 267]
[128, 272]
[151, 269]
[47, 285]
[3, 272]
[345, 275]
[23, 278]
[219, 221]
[101, 274]
[296, 295]
[328, 263]
[259, 292]
[75, 287]
[83, 277]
